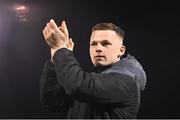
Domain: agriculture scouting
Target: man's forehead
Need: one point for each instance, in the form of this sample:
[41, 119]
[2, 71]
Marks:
[101, 35]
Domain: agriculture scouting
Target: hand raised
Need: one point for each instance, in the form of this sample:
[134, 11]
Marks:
[55, 37]
[69, 42]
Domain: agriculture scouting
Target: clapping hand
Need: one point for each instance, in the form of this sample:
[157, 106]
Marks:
[57, 37]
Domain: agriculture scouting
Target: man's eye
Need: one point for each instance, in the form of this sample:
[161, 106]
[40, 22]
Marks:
[105, 43]
[93, 44]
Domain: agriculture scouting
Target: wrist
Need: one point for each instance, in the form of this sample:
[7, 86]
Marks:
[53, 51]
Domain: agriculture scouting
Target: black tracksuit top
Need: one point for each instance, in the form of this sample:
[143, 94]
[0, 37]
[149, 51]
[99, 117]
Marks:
[109, 92]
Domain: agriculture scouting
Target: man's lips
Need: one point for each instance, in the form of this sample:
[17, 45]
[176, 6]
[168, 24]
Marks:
[99, 56]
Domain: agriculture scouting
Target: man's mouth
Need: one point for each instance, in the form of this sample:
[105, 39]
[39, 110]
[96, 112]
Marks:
[99, 56]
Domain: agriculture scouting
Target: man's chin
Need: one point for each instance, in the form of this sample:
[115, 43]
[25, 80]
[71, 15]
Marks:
[100, 64]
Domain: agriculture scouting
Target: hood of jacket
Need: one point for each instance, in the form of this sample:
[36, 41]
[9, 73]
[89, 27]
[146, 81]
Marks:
[127, 65]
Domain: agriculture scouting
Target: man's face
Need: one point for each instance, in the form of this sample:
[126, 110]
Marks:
[105, 47]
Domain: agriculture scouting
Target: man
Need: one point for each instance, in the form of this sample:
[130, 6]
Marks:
[112, 90]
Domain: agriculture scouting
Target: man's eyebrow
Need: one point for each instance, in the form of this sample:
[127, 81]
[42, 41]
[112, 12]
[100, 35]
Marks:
[101, 41]
[106, 41]
[93, 41]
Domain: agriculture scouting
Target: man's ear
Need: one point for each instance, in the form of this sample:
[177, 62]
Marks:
[122, 50]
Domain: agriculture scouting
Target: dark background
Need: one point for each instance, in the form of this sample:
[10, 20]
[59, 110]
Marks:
[151, 35]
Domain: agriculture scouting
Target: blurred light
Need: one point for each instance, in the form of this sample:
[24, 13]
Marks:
[19, 8]
[22, 12]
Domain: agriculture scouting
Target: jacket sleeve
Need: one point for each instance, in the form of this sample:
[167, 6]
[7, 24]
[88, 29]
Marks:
[92, 87]
[52, 95]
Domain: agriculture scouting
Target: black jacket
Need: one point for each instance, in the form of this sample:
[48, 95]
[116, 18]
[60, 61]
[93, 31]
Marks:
[109, 92]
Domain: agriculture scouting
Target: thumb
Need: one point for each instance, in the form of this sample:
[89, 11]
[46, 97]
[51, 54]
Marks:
[70, 44]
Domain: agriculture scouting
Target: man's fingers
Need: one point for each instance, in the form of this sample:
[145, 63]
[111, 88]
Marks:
[71, 43]
[49, 30]
[52, 28]
[45, 33]
[64, 28]
[56, 36]
[53, 25]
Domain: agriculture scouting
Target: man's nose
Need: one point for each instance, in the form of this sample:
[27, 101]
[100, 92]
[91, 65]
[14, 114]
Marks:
[99, 48]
